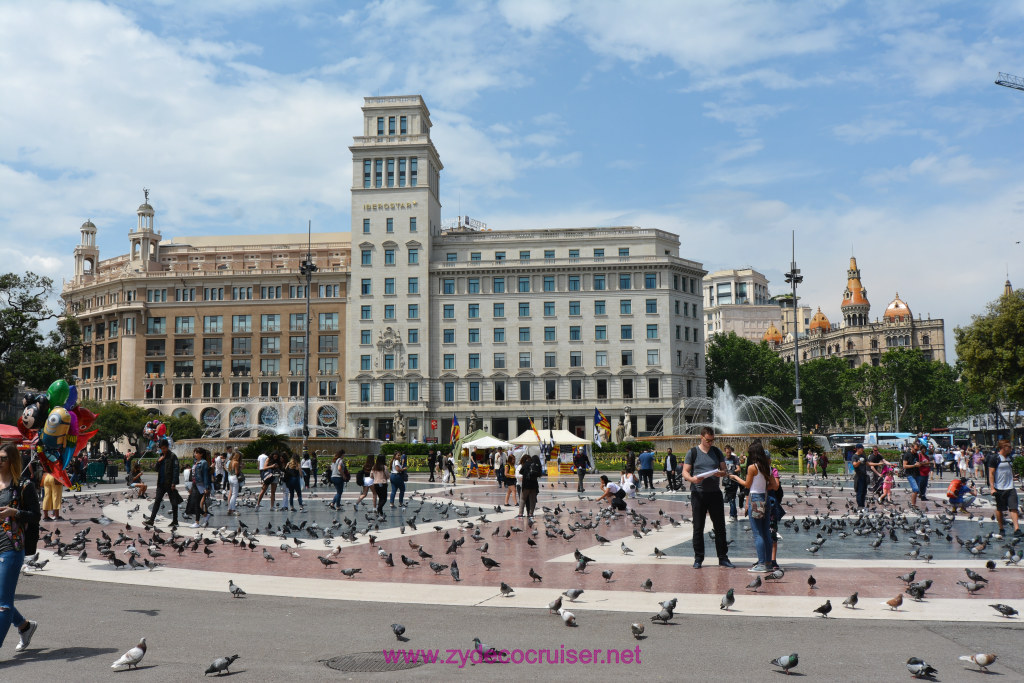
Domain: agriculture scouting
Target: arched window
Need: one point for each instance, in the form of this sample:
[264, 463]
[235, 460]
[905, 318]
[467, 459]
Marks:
[924, 340]
[849, 345]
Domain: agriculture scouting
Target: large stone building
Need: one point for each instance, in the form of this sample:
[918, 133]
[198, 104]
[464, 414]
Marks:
[408, 317]
[856, 338]
[738, 300]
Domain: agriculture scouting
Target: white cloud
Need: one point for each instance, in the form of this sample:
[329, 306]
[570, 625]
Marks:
[945, 170]
[744, 116]
[742, 151]
[533, 15]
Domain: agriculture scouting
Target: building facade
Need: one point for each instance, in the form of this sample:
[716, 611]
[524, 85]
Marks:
[856, 338]
[737, 300]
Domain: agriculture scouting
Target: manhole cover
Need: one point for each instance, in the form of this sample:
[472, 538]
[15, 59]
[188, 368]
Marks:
[369, 662]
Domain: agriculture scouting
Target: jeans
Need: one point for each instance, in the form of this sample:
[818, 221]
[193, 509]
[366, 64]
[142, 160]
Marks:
[382, 495]
[294, 484]
[580, 473]
[233, 487]
[306, 472]
[731, 497]
[762, 531]
[860, 486]
[397, 486]
[647, 478]
[704, 504]
[339, 488]
[922, 486]
[10, 569]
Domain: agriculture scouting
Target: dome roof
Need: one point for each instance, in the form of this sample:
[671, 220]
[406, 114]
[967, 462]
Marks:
[772, 335]
[144, 208]
[820, 322]
[897, 310]
[88, 225]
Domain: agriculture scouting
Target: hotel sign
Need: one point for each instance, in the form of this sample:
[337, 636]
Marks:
[389, 206]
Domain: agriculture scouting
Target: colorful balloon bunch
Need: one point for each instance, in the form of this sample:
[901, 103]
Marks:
[58, 434]
[154, 431]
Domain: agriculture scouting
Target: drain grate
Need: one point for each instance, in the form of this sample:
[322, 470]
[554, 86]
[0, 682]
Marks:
[368, 662]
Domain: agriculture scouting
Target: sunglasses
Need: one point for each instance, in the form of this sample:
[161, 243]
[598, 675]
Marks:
[4, 458]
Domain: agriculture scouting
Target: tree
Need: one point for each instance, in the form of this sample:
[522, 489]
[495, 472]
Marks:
[991, 351]
[116, 420]
[26, 354]
[266, 443]
[867, 386]
[184, 426]
[823, 383]
[751, 369]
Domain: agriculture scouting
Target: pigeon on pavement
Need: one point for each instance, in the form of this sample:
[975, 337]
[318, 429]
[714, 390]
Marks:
[787, 662]
[637, 630]
[325, 561]
[895, 603]
[647, 585]
[1005, 610]
[982, 660]
[728, 600]
[568, 618]
[755, 584]
[555, 605]
[573, 593]
[220, 665]
[506, 589]
[132, 657]
[918, 668]
[851, 601]
[235, 591]
[535, 576]
[489, 563]
[824, 609]
[454, 569]
[398, 630]
[607, 574]
[351, 572]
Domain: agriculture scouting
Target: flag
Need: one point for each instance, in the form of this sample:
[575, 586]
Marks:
[535, 432]
[600, 422]
[555, 450]
[456, 432]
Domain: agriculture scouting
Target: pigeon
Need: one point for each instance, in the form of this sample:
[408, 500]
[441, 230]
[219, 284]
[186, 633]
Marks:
[389, 560]
[907, 578]
[555, 605]
[975, 576]
[438, 568]
[755, 584]
[235, 591]
[607, 574]
[728, 600]
[659, 553]
[535, 576]
[454, 569]
[132, 657]
[568, 618]
[267, 556]
[409, 562]
[325, 561]
[220, 665]
[851, 601]
[601, 540]
[1005, 610]
[82, 556]
[895, 603]
[352, 572]
[982, 660]
[647, 585]
[664, 616]
[775, 575]
[398, 630]
[626, 550]
[918, 668]
[489, 563]
[573, 593]
[506, 589]
[637, 630]
[811, 581]
[824, 609]
[786, 662]
[971, 586]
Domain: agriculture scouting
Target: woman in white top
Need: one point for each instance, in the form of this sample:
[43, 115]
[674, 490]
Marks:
[307, 469]
[759, 481]
[220, 473]
[629, 483]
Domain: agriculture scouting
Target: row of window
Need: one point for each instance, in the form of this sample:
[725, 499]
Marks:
[391, 172]
[214, 324]
[524, 254]
[247, 293]
[498, 309]
[267, 389]
[550, 334]
[524, 283]
[326, 343]
[243, 367]
[389, 225]
[499, 390]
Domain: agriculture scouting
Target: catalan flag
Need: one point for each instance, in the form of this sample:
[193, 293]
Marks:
[456, 432]
[600, 422]
[555, 450]
[534, 428]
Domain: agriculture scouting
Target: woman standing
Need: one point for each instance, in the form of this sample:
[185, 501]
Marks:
[202, 481]
[234, 480]
[759, 480]
[531, 484]
[293, 480]
[268, 478]
[19, 532]
[307, 470]
[449, 464]
[365, 479]
[398, 476]
[339, 470]
[380, 484]
[512, 479]
[53, 493]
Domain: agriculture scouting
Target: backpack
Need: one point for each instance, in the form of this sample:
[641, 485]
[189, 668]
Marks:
[346, 476]
[954, 489]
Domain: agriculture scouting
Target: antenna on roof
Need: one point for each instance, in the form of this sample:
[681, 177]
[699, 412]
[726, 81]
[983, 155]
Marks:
[145, 191]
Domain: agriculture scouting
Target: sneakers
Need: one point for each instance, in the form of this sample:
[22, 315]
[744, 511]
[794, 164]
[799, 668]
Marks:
[26, 636]
[194, 525]
[758, 569]
[1018, 533]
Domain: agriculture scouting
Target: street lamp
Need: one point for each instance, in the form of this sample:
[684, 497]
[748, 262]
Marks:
[307, 268]
[794, 278]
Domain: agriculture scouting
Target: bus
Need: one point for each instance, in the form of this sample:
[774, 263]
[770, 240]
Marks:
[892, 440]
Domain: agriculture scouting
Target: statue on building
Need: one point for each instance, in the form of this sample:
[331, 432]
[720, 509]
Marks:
[627, 420]
[559, 418]
[620, 432]
[474, 422]
[399, 427]
[362, 431]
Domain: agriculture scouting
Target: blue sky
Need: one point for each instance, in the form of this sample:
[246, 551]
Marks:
[870, 128]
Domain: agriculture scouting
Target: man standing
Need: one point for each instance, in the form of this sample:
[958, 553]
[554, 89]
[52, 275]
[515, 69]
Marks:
[646, 467]
[431, 462]
[860, 475]
[732, 466]
[875, 463]
[671, 482]
[167, 473]
[703, 467]
[910, 466]
[1000, 479]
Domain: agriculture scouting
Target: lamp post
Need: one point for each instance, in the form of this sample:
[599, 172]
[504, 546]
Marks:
[307, 268]
[794, 278]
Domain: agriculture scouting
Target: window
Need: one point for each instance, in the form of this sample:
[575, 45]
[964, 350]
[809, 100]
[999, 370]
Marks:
[449, 392]
[329, 321]
[327, 366]
[448, 312]
[549, 308]
[156, 325]
[323, 291]
[652, 305]
[389, 285]
[653, 357]
[652, 331]
[414, 311]
[627, 357]
[473, 311]
[328, 343]
[297, 322]
[524, 359]
[272, 366]
[213, 346]
[625, 332]
[574, 283]
[449, 361]
[366, 257]
[297, 344]
[602, 388]
[623, 252]
[600, 332]
[330, 388]
[239, 389]
[524, 390]
[524, 256]
[524, 284]
[474, 335]
[653, 387]
[448, 286]
[599, 307]
[296, 389]
[574, 308]
[414, 257]
[156, 296]
[366, 226]
[414, 361]
[241, 323]
[474, 361]
[575, 333]
[412, 224]
[212, 368]
[679, 332]
[378, 170]
[366, 286]
[367, 171]
[499, 310]
[625, 306]
[389, 312]
[241, 293]
[599, 282]
[414, 285]
[627, 388]
[183, 324]
[499, 285]
[182, 347]
[270, 322]
[625, 281]
[365, 312]
[524, 334]
[474, 256]
[414, 391]
[448, 335]
[412, 172]
[574, 253]
[211, 390]
[403, 126]
[549, 283]
[524, 309]
[241, 345]
[576, 389]
[414, 336]
[269, 292]
[650, 280]
[364, 392]
[241, 367]
[389, 257]
[549, 334]
[601, 361]
[389, 361]
[391, 225]
[499, 335]
[380, 125]
[549, 389]
[499, 390]
[474, 392]
[550, 359]
[473, 285]
[499, 361]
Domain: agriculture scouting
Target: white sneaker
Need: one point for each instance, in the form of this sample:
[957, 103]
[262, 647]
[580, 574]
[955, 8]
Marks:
[26, 636]
[195, 525]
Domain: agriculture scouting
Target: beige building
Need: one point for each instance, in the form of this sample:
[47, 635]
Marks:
[737, 300]
[856, 338]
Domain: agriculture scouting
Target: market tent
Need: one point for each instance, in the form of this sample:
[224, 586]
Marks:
[560, 436]
[486, 441]
[10, 433]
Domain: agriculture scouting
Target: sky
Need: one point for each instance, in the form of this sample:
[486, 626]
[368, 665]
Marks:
[871, 129]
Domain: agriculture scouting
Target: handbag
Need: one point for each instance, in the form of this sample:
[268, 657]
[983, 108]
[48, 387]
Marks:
[174, 497]
[405, 476]
[757, 508]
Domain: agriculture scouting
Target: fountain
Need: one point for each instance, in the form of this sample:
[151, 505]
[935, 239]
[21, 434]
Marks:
[260, 416]
[727, 413]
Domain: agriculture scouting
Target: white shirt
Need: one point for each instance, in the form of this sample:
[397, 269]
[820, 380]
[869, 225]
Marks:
[759, 485]
[218, 464]
[306, 463]
[261, 462]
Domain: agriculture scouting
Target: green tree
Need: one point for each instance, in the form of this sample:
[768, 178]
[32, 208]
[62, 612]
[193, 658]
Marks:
[822, 388]
[184, 426]
[991, 351]
[751, 369]
[26, 354]
[116, 420]
[266, 443]
[867, 386]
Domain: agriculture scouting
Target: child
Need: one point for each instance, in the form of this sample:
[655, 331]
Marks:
[960, 494]
[888, 479]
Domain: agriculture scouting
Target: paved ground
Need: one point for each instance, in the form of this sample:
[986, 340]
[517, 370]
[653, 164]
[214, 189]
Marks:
[299, 613]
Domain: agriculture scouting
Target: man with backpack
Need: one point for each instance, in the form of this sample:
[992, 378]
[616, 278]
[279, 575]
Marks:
[703, 467]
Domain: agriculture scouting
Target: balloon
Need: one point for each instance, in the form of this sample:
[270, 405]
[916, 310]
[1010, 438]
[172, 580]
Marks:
[37, 408]
[85, 417]
[55, 431]
[58, 392]
[72, 425]
[161, 429]
[25, 432]
[72, 397]
[55, 470]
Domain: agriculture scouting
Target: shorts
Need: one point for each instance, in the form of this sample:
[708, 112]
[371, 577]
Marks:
[1006, 501]
[912, 482]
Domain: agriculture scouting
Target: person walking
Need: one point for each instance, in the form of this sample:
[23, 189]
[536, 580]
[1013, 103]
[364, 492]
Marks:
[910, 466]
[398, 477]
[731, 488]
[512, 478]
[293, 482]
[581, 462]
[220, 473]
[860, 475]
[19, 533]
[1000, 480]
[703, 467]
[53, 494]
[339, 474]
[431, 463]
[380, 484]
[759, 481]
[202, 483]
[365, 479]
[449, 465]
[269, 474]
[307, 470]
[671, 480]
[167, 474]
[531, 485]
[235, 476]
[646, 468]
